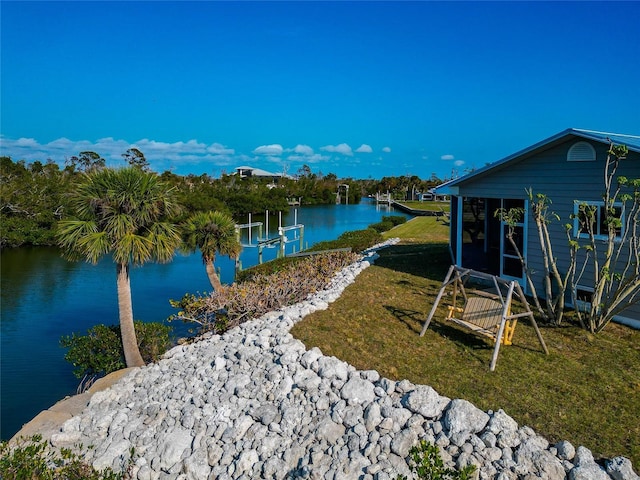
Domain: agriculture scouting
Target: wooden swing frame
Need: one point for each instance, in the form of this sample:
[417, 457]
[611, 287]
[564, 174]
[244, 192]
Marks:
[484, 312]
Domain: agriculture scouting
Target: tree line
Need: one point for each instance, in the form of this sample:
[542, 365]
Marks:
[34, 196]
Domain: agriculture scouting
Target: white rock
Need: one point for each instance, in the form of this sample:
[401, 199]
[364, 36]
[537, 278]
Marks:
[358, 390]
[425, 401]
[620, 468]
[174, 445]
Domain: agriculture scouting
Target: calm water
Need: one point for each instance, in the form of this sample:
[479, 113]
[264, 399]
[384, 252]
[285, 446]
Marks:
[45, 297]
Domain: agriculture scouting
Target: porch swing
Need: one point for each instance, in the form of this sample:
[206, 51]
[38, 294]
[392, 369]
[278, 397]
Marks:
[485, 306]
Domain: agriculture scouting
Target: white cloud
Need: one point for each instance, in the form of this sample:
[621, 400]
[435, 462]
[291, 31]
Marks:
[220, 149]
[274, 149]
[161, 155]
[343, 148]
[458, 163]
[386, 149]
[303, 150]
[315, 158]
[152, 147]
[364, 148]
[272, 159]
[26, 143]
[447, 157]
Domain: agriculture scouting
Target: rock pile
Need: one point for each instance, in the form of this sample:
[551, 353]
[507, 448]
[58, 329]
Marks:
[254, 403]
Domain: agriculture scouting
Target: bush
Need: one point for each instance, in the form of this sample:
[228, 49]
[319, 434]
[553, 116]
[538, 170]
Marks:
[381, 226]
[100, 351]
[357, 240]
[394, 219]
[268, 268]
[426, 464]
[232, 305]
[32, 459]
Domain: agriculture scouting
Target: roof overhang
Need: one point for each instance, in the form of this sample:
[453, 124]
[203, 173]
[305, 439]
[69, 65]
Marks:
[631, 141]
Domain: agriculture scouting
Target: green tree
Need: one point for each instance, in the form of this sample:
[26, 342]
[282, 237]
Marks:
[211, 232]
[86, 161]
[32, 200]
[123, 213]
[615, 260]
[136, 158]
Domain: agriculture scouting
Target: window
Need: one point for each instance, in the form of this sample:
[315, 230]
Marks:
[583, 298]
[511, 265]
[581, 152]
[589, 216]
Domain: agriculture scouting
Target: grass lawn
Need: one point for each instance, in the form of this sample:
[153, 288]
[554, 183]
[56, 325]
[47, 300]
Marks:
[587, 390]
[427, 205]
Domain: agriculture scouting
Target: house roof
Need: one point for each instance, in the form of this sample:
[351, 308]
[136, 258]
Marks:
[258, 172]
[631, 141]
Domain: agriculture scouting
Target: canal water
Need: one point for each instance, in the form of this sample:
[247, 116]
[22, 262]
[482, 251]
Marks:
[45, 297]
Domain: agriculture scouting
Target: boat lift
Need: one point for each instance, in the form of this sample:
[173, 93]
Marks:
[264, 241]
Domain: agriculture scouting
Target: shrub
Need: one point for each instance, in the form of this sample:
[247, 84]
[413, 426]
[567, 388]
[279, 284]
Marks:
[426, 464]
[100, 351]
[357, 240]
[268, 268]
[381, 226]
[394, 219]
[32, 459]
[235, 304]
[154, 339]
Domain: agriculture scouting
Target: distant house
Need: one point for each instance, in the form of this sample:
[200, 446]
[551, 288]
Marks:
[432, 195]
[567, 167]
[251, 172]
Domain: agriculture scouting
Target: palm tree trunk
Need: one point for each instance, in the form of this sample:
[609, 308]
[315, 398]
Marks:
[213, 276]
[127, 331]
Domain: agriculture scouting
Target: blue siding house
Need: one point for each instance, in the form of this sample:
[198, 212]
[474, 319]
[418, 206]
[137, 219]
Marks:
[567, 167]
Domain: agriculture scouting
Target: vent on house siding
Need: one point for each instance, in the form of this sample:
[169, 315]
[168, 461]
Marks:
[581, 152]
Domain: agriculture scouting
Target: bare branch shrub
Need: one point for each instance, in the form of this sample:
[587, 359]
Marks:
[604, 251]
[234, 304]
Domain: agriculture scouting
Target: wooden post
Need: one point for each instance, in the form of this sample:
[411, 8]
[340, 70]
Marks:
[505, 307]
[531, 317]
[282, 243]
[437, 301]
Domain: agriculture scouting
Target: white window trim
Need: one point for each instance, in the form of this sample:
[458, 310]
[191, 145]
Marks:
[594, 203]
[525, 247]
[581, 305]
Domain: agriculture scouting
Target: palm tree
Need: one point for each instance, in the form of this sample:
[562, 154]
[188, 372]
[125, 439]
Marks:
[124, 213]
[211, 232]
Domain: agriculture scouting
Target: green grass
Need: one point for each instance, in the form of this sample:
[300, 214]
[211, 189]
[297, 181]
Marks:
[427, 205]
[587, 390]
[420, 230]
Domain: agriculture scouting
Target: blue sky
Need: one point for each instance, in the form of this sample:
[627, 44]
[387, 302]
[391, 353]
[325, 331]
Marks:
[360, 89]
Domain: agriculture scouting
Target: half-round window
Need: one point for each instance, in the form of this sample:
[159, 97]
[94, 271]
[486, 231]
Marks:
[581, 152]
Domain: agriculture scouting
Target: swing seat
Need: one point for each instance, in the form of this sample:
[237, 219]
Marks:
[483, 316]
[484, 312]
